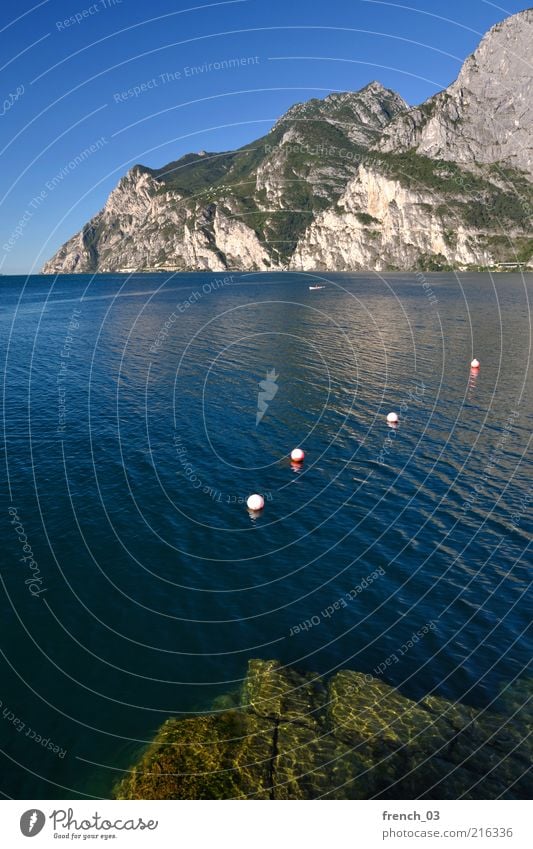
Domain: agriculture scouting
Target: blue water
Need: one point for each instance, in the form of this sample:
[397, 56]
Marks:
[131, 442]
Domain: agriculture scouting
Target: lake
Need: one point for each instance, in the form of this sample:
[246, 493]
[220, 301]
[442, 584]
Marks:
[136, 584]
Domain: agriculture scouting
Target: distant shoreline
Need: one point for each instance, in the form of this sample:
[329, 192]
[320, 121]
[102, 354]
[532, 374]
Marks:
[292, 272]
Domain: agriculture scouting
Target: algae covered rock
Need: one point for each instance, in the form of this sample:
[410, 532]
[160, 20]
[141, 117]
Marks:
[279, 692]
[292, 735]
[368, 713]
[219, 756]
[364, 710]
[311, 767]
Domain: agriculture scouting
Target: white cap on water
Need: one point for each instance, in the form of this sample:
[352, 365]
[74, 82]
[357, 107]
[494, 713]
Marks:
[255, 502]
[392, 418]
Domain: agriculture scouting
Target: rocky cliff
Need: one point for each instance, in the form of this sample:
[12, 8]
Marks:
[486, 115]
[354, 181]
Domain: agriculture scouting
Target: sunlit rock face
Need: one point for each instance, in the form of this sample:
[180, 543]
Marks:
[383, 224]
[357, 180]
[486, 115]
[294, 735]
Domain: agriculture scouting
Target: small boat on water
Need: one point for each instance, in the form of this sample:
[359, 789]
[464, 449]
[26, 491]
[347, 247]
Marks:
[316, 287]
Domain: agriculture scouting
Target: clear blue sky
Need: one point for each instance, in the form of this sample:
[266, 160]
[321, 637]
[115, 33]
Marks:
[63, 84]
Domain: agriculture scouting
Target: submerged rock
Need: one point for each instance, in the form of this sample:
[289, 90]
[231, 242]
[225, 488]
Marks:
[296, 736]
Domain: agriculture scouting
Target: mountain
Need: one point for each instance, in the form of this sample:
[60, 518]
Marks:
[356, 180]
[486, 115]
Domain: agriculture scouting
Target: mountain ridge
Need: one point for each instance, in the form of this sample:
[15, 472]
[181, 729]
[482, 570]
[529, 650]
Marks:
[356, 180]
[490, 74]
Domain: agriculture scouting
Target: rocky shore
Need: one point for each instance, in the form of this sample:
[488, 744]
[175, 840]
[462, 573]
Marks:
[296, 735]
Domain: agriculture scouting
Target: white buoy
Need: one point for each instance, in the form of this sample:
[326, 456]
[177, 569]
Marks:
[474, 363]
[297, 455]
[392, 418]
[255, 502]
